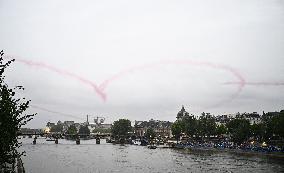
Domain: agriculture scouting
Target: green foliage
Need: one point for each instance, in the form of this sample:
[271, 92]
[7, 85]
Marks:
[189, 125]
[84, 130]
[12, 117]
[257, 130]
[222, 129]
[150, 133]
[275, 126]
[206, 125]
[57, 128]
[121, 128]
[72, 130]
[177, 129]
[239, 130]
[279, 124]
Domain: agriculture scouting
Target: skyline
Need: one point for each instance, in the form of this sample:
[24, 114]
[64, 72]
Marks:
[144, 60]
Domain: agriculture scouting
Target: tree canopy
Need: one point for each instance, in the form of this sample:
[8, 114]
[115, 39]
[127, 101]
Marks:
[221, 129]
[12, 117]
[84, 130]
[239, 130]
[121, 128]
[189, 125]
[177, 129]
[57, 128]
[150, 133]
[72, 130]
[206, 125]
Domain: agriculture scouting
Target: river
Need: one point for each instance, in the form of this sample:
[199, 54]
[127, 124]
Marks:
[47, 157]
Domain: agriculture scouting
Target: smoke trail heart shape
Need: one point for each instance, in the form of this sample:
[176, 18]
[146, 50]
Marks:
[100, 89]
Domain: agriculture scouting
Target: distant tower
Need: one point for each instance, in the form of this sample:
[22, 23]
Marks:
[87, 119]
[181, 113]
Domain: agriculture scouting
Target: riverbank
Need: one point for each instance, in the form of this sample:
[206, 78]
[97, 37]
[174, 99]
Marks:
[233, 151]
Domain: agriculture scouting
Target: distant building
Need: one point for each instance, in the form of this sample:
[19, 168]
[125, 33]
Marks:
[68, 123]
[140, 128]
[102, 129]
[269, 115]
[30, 131]
[161, 128]
[223, 119]
[182, 113]
[104, 126]
[253, 118]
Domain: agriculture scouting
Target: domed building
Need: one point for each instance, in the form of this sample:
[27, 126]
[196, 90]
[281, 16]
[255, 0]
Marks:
[182, 113]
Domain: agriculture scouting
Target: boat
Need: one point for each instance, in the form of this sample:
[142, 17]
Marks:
[136, 142]
[152, 146]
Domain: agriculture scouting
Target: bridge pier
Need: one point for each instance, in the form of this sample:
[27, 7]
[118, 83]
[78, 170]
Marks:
[34, 141]
[78, 141]
[98, 140]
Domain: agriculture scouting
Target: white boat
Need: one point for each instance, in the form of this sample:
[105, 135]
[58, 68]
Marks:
[136, 142]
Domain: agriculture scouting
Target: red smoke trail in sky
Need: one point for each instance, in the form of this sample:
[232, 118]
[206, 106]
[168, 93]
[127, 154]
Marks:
[99, 89]
[257, 83]
[62, 72]
[241, 81]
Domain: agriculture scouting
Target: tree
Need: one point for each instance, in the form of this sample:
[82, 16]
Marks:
[189, 125]
[72, 130]
[206, 125]
[222, 129]
[49, 124]
[121, 128]
[257, 131]
[274, 126]
[57, 128]
[278, 122]
[84, 130]
[12, 117]
[150, 133]
[177, 129]
[239, 130]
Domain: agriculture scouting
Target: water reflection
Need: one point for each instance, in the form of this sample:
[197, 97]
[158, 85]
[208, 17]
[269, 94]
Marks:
[45, 156]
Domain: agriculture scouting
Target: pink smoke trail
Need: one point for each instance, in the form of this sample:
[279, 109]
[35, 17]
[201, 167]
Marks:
[61, 72]
[257, 83]
[99, 89]
[241, 81]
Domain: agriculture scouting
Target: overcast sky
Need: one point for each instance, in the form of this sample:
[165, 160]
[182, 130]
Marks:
[144, 59]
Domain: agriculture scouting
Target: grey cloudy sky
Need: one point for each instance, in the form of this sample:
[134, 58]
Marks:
[213, 56]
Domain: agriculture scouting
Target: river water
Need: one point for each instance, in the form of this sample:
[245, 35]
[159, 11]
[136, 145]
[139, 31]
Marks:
[47, 157]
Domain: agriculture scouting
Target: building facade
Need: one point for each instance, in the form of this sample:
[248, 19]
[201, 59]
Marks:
[161, 128]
